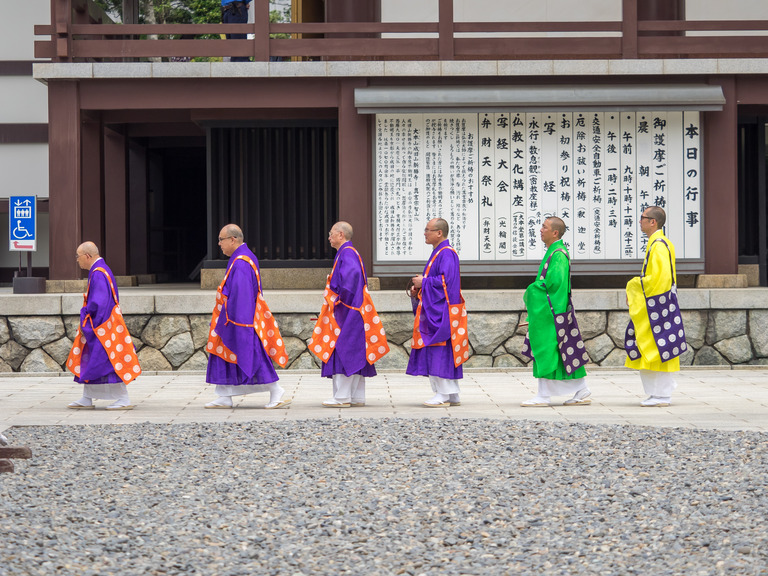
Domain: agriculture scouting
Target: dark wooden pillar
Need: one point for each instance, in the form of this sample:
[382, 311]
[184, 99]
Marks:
[130, 11]
[352, 11]
[721, 218]
[445, 30]
[660, 10]
[61, 19]
[629, 29]
[64, 140]
[355, 176]
[115, 248]
[92, 211]
[138, 217]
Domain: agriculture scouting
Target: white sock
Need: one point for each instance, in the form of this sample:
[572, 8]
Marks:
[438, 399]
[275, 393]
[222, 401]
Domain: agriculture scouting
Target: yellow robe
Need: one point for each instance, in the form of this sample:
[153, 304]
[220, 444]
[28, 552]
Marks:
[657, 280]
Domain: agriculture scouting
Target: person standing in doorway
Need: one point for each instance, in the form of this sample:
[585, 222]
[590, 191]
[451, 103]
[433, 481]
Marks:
[236, 12]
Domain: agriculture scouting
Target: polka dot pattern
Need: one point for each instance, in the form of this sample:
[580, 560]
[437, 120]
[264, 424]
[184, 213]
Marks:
[327, 331]
[666, 324]
[114, 337]
[264, 324]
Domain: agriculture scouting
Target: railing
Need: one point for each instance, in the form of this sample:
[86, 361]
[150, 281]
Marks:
[74, 37]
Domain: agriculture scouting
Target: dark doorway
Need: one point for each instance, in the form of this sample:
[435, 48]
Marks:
[176, 205]
[753, 215]
[279, 181]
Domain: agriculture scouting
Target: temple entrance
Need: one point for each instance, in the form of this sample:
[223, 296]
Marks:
[753, 218]
[176, 212]
[279, 181]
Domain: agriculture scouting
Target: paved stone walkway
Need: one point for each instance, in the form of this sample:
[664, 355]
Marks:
[705, 399]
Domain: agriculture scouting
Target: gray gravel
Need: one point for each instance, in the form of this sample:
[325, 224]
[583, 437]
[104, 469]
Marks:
[384, 497]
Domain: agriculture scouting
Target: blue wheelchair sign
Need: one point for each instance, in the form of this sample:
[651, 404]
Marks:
[22, 226]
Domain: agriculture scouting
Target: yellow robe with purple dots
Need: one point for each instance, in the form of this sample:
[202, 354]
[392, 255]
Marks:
[657, 280]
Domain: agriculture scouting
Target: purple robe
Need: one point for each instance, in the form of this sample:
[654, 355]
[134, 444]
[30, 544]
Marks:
[253, 366]
[95, 367]
[348, 281]
[435, 321]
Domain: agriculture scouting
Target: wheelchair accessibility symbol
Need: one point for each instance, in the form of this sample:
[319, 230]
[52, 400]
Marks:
[20, 233]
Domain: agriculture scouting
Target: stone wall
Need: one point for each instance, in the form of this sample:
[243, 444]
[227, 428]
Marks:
[723, 327]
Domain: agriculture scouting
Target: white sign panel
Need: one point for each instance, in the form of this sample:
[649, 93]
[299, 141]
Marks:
[22, 223]
[495, 176]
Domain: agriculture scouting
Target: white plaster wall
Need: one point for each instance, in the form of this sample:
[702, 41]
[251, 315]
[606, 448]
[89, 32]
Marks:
[726, 10]
[24, 169]
[559, 10]
[23, 100]
[503, 10]
[17, 22]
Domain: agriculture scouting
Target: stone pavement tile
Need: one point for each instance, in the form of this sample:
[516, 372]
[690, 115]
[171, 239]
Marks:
[43, 421]
[431, 415]
[498, 415]
[294, 415]
[604, 419]
[725, 399]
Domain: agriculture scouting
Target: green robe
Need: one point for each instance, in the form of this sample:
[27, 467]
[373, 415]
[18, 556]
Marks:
[541, 328]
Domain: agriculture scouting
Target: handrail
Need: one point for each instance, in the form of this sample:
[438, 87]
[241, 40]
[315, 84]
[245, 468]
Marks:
[73, 40]
[703, 25]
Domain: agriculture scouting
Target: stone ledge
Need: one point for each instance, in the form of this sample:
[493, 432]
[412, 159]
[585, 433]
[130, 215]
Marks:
[126, 281]
[44, 71]
[129, 304]
[721, 281]
[31, 304]
[752, 272]
[740, 299]
[153, 300]
[65, 286]
[184, 303]
[273, 278]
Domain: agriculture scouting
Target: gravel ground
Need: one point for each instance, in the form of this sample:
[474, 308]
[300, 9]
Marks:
[384, 497]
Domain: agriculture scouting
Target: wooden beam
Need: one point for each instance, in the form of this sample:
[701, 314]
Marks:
[721, 196]
[629, 29]
[92, 182]
[15, 452]
[64, 140]
[261, 34]
[355, 169]
[115, 250]
[445, 27]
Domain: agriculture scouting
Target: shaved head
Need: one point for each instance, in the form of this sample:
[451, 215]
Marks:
[345, 228]
[557, 225]
[88, 248]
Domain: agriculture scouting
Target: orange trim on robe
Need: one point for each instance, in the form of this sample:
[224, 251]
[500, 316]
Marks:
[114, 337]
[264, 324]
[458, 317]
[326, 331]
